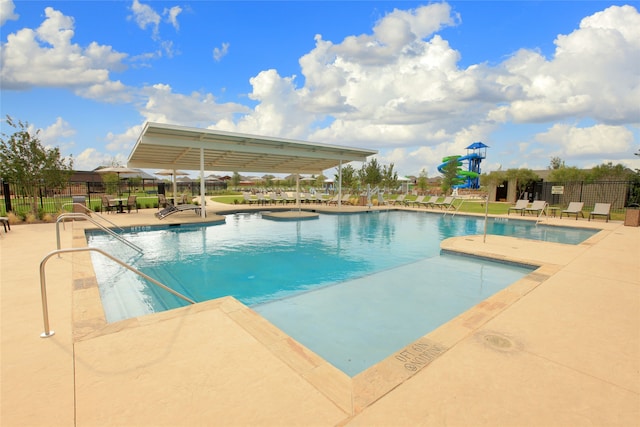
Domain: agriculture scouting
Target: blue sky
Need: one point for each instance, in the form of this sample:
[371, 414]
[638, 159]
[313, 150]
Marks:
[417, 81]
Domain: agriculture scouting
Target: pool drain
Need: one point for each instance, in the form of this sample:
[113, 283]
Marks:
[498, 341]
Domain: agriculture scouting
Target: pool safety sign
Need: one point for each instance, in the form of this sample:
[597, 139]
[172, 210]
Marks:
[557, 189]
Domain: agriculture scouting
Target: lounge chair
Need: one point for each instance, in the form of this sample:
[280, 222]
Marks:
[601, 209]
[288, 198]
[446, 203]
[333, 200]
[415, 202]
[162, 201]
[171, 209]
[520, 206]
[537, 207]
[399, 199]
[574, 208]
[132, 203]
[275, 199]
[250, 199]
[432, 200]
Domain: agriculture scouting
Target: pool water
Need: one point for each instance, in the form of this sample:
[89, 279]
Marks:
[330, 283]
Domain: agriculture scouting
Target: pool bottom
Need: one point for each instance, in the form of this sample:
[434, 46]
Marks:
[358, 323]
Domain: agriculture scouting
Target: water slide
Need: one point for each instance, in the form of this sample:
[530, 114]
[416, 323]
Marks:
[465, 175]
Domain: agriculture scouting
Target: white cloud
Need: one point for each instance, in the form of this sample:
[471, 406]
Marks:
[91, 158]
[598, 141]
[220, 52]
[172, 16]
[46, 57]
[145, 16]
[7, 9]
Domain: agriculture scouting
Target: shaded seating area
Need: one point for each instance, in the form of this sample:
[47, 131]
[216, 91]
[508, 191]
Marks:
[537, 207]
[574, 208]
[600, 209]
[520, 206]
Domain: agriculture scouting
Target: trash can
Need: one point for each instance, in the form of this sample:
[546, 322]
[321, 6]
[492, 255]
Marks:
[632, 217]
[79, 200]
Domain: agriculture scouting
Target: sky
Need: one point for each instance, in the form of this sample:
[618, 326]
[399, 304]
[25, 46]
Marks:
[417, 81]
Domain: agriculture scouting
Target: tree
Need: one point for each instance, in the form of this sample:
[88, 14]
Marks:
[423, 183]
[556, 163]
[494, 178]
[523, 178]
[25, 161]
[235, 180]
[567, 174]
[389, 177]
[450, 174]
[348, 177]
[371, 173]
[610, 172]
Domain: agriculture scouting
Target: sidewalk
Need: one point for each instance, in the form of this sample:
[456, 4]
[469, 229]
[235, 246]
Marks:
[560, 348]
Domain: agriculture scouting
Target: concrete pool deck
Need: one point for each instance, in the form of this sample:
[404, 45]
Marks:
[560, 347]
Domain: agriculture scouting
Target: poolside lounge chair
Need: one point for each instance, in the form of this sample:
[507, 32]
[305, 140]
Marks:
[333, 199]
[399, 199]
[250, 199]
[162, 201]
[537, 207]
[574, 208]
[171, 209]
[446, 203]
[429, 203]
[601, 209]
[132, 203]
[275, 198]
[415, 202]
[520, 206]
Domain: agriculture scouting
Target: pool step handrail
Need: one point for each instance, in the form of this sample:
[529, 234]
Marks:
[90, 211]
[43, 285]
[97, 224]
[542, 211]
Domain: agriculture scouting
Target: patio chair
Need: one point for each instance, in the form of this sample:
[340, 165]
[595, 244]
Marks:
[601, 209]
[5, 223]
[429, 203]
[574, 208]
[250, 199]
[415, 202]
[108, 204]
[399, 199]
[172, 209]
[520, 206]
[162, 201]
[537, 207]
[132, 203]
[446, 203]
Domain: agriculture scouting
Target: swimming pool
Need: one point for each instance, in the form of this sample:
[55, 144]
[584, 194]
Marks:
[281, 268]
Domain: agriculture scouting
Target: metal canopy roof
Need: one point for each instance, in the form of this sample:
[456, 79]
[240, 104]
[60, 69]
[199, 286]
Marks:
[179, 147]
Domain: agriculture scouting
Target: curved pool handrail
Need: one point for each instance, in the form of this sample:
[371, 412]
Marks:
[43, 285]
[97, 224]
[90, 211]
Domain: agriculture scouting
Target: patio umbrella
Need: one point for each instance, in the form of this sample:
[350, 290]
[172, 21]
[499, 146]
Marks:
[117, 170]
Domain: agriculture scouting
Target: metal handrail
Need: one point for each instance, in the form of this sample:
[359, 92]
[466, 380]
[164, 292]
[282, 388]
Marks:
[542, 211]
[90, 211]
[102, 227]
[43, 286]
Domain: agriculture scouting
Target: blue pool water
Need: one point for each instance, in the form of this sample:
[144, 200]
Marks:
[393, 281]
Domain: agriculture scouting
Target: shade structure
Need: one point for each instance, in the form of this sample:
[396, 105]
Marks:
[173, 147]
[179, 147]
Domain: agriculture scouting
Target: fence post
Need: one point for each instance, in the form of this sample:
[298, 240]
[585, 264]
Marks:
[6, 190]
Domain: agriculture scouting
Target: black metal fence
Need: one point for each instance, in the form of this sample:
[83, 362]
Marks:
[620, 194]
[15, 198]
